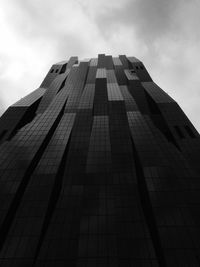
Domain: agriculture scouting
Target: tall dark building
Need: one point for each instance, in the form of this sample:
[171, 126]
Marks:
[99, 167]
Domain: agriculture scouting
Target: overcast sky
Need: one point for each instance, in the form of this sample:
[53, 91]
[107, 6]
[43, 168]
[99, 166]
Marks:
[164, 34]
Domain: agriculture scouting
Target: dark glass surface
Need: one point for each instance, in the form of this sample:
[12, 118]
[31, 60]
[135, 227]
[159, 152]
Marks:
[99, 167]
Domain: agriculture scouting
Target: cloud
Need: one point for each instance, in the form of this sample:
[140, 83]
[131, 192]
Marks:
[36, 35]
[163, 34]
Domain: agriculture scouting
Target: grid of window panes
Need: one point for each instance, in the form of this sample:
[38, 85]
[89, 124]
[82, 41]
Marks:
[99, 167]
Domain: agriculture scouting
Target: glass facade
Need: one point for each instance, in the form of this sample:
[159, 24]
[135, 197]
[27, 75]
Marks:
[99, 167]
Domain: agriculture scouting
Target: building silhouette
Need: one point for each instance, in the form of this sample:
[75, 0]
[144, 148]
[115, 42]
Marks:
[99, 167]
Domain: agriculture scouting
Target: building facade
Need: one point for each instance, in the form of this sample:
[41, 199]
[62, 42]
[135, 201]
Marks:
[99, 167]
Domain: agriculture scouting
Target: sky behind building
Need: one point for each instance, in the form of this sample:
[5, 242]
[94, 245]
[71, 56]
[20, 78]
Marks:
[163, 34]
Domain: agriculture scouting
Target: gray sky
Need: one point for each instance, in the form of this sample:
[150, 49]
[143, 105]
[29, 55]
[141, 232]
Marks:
[164, 34]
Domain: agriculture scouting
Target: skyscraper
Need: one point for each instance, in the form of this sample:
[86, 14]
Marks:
[99, 167]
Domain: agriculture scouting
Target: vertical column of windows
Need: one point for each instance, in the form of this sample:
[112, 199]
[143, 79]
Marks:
[99, 150]
[167, 190]
[128, 99]
[78, 85]
[65, 233]
[62, 236]
[21, 154]
[29, 219]
[119, 71]
[101, 96]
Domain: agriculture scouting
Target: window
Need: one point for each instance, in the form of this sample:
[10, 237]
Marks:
[189, 131]
[132, 71]
[52, 71]
[63, 69]
[2, 134]
[178, 131]
[56, 71]
[141, 67]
